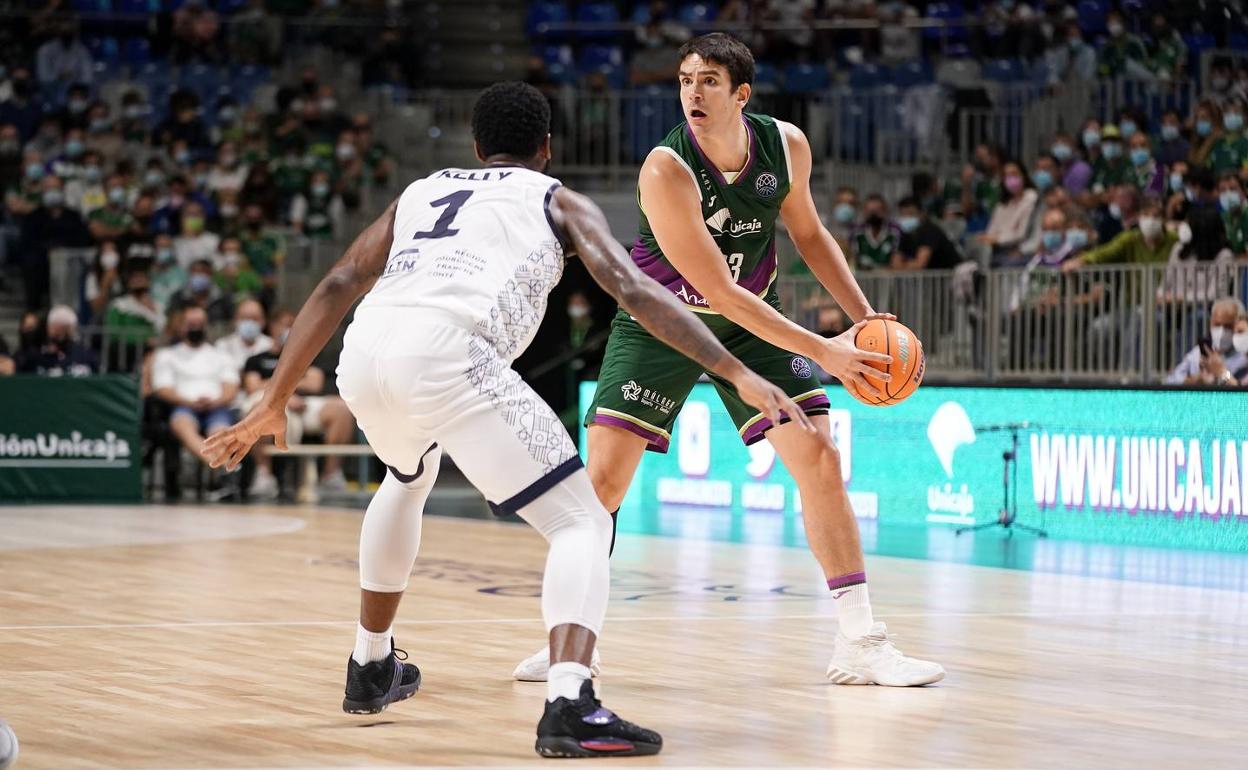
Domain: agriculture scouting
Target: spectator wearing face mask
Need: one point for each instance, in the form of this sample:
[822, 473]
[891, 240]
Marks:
[1214, 358]
[195, 242]
[1176, 191]
[24, 196]
[1234, 213]
[48, 227]
[229, 174]
[1113, 168]
[112, 220]
[264, 249]
[1119, 214]
[1012, 218]
[64, 59]
[1172, 147]
[1123, 53]
[981, 185]
[1148, 176]
[1200, 265]
[875, 240]
[21, 108]
[1074, 173]
[1080, 234]
[68, 164]
[1150, 242]
[248, 338]
[233, 276]
[1230, 151]
[103, 282]
[923, 245]
[134, 317]
[168, 277]
[317, 211]
[1206, 132]
[60, 355]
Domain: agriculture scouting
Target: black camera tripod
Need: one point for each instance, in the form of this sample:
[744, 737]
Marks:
[1007, 516]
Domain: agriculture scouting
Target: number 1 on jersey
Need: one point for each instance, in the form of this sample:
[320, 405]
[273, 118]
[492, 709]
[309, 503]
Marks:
[442, 228]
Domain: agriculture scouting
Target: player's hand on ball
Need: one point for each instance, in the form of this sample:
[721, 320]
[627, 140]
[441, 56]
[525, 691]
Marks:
[232, 444]
[845, 361]
[770, 400]
[873, 315]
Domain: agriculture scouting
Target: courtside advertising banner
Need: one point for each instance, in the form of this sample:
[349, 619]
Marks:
[69, 438]
[1140, 467]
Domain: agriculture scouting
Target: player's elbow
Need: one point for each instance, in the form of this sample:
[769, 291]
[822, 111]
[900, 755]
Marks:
[725, 298]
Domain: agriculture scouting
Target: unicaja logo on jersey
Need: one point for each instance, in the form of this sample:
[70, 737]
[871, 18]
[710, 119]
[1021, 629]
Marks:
[948, 430]
[631, 390]
[722, 223]
[766, 184]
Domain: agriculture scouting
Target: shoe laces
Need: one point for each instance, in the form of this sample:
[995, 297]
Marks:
[879, 643]
[399, 653]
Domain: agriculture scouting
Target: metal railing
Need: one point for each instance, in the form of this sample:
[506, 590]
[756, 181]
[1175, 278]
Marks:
[119, 351]
[1112, 323]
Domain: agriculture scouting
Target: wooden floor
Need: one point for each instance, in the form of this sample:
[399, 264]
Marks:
[155, 637]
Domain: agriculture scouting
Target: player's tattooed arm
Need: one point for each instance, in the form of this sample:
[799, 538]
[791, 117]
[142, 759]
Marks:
[657, 309]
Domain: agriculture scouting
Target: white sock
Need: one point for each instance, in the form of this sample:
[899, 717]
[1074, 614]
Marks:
[370, 646]
[853, 610]
[564, 680]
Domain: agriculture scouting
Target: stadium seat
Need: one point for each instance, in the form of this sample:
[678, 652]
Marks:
[1003, 70]
[92, 6]
[648, 116]
[641, 14]
[230, 7]
[766, 78]
[137, 50]
[556, 53]
[951, 14]
[1091, 15]
[914, 73]
[542, 14]
[866, 75]
[806, 78]
[1237, 41]
[697, 15]
[597, 13]
[594, 56]
[561, 72]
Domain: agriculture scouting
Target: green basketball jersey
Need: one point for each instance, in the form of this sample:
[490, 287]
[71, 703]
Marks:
[740, 215]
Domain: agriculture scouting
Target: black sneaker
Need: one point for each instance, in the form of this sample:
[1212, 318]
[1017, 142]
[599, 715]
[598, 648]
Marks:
[583, 728]
[373, 686]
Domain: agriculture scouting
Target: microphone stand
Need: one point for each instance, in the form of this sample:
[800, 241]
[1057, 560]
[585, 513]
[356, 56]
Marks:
[1007, 516]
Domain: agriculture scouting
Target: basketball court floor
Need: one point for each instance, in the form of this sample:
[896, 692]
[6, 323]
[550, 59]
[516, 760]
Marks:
[193, 637]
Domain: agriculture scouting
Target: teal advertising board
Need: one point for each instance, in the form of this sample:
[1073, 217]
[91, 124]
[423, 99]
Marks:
[1132, 467]
[69, 439]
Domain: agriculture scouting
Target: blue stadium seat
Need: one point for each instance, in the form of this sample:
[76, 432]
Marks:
[92, 6]
[641, 14]
[806, 78]
[103, 49]
[136, 7]
[598, 13]
[561, 72]
[766, 77]
[1003, 70]
[594, 56]
[949, 13]
[866, 75]
[1091, 15]
[914, 73]
[617, 74]
[696, 14]
[648, 116]
[137, 50]
[541, 14]
[556, 53]
[229, 7]
[1237, 41]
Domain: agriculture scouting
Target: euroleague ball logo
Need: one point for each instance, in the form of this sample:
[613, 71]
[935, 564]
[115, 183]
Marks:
[766, 184]
[800, 367]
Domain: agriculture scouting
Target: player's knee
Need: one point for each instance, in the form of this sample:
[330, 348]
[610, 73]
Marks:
[609, 484]
[827, 457]
[571, 509]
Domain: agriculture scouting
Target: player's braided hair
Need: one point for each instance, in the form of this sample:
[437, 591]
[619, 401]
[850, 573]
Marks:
[510, 118]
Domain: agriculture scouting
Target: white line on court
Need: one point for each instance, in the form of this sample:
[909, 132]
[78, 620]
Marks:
[192, 625]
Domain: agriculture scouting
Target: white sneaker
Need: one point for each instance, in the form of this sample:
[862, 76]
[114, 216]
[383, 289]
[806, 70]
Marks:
[334, 483]
[874, 660]
[534, 667]
[263, 487]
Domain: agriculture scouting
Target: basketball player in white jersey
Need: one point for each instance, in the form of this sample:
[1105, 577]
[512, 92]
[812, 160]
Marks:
[457, 273]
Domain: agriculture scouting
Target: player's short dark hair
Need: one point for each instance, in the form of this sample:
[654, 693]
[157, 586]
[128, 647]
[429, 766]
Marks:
[510, 118]
[724, 50]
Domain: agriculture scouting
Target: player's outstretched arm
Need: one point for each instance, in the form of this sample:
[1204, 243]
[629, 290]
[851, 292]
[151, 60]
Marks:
[816, 245]
[670, 199]
[656, 308]
[318, 319]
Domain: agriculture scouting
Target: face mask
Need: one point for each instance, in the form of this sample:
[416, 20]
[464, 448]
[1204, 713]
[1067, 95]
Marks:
[231, 258]
[1115, 28]
[1014, 183]
[182, 157]
[1233, 121]
[133, 112]
[74, 148]
[1112, 150]
[577, 312]
[1127, 129]
[164, 255]
[193, 225]
[1184, 232]
[1139, 156]
[1062, 151]
[1115, 211]
[1221, 338]
[1240, 342]
[248, 329]
[1169, 133]
[100, 125]
[1204, 127]
[1219, 82]
[53, 198]
[34, 172]
[1176, 182]
[908, 224]
[1076, 239]
[109, 260]
[320, 190]
[1091, 137]
[199, 283]
[201, 181]
[77, 106]
[844, 213]
[345, 152]
[1042, 178]
[875, 220]
[1230, 200]
[1150, 227]
[153, 178]
[195, 336]
[227, 114]
[1051, 239]
[328, 105]
[229, 210]
[92, 173]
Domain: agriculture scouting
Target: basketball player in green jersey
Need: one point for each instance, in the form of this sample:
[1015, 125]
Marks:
[710, 194]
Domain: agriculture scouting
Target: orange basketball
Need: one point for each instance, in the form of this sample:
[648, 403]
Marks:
[894, 339]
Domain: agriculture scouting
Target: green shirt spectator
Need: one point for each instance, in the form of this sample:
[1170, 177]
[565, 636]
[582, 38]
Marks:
[1229, 153]
[1131, 247]
[1122, 53]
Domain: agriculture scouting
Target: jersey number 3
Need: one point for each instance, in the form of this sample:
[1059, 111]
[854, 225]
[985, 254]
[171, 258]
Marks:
[442, 228]
[734, 264]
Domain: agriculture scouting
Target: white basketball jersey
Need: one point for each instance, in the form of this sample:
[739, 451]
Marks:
[476, 246]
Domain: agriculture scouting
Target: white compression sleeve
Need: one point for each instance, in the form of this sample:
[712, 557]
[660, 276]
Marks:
[578, 574]
[390, 534]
